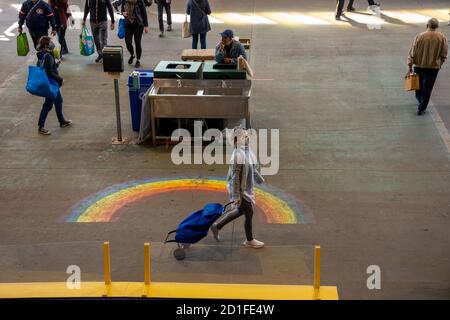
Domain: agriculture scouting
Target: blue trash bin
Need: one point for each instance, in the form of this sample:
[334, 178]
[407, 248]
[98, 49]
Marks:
[144, 83]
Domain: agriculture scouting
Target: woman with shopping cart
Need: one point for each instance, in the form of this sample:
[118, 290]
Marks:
[241, 178]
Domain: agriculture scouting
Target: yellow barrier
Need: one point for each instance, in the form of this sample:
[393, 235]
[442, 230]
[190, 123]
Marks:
[150, 289]
[107, 263]
[147, 263]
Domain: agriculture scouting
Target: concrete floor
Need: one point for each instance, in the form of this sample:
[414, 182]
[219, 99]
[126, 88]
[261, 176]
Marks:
[376, 176]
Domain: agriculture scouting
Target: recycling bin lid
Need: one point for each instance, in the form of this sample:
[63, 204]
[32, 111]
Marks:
[145, 78]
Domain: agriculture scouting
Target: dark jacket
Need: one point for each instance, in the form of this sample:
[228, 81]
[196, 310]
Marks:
[140, 12]
[99, 10]
[60, 8]
[40, 18]
[47, 61]
[199, 12]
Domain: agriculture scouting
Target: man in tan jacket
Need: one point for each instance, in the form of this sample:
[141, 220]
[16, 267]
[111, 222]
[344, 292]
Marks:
[427, 54]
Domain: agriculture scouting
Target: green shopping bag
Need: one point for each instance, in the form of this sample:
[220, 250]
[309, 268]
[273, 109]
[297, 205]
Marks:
[22, 44]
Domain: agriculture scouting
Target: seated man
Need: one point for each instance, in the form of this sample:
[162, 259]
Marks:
[228, 50]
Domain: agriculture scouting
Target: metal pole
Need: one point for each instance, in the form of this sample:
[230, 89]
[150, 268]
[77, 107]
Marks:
[119, 124]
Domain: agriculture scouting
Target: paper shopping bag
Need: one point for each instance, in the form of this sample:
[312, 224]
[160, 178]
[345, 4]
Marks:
[186, 30]
[412, 82]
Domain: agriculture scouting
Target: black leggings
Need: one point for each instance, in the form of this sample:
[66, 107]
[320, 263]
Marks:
[245, 208]
[136, 31]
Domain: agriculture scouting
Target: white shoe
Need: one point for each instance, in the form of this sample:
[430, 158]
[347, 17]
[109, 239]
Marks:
[374, 8]
[255, 244]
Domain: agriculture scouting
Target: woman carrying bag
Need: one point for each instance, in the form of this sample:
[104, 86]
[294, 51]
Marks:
[47, 61]
[199, 26]
[136, 23]
[61, 8]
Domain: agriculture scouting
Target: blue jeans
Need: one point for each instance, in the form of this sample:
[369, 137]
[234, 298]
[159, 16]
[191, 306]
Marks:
[48, 104]
[202, 40]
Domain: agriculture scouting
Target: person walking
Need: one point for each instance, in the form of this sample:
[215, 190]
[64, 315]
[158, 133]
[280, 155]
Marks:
[241, 177]
[164, 5]
[99, 22]
[427, 55]
[38, 17]
[61, 8]
[47, 61]
[136, 22]
[199, 26]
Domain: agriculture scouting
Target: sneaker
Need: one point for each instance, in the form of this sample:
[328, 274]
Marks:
[169, 28]
[161, 34]
[374, 8]
[419, 113]
[99, 58]
[351, 9]
[137, 64]
[44, 131]
[65, 123]
[130, 61]
[255, 244]
[215, 232]
[338, 18]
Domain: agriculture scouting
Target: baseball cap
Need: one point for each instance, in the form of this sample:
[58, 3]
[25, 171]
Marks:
[227, 33]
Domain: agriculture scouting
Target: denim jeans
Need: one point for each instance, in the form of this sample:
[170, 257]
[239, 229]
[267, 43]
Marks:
[48, 104]
[427, 78]
[202, 41]
[100, 34]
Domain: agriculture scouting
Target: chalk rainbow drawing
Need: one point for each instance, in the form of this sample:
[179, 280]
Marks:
[276, 205]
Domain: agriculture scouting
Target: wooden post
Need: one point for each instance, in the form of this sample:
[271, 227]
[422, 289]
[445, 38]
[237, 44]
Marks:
[147, 263]
[107, 263]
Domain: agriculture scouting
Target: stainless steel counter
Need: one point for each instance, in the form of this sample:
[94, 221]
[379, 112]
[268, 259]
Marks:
[198, 99]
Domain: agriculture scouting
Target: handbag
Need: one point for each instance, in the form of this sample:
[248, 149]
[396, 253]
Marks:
[39, 83]
[412, 81]
[22, 44]
[242, 64]
[186, 30]
[86, 42]
[121, 28]
[57, 49]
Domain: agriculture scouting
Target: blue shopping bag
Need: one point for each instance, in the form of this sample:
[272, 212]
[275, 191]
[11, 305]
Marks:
[39, 84]
[121, 29]
[86, 42]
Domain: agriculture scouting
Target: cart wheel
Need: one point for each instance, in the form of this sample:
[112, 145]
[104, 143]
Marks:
[179, 253]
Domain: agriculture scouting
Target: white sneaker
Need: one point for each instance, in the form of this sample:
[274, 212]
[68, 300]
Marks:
[255, 244]
[374, 8]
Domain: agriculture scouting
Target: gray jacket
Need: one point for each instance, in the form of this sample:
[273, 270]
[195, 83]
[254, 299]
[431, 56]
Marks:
[199, 12]
[242, 175]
